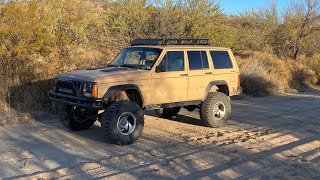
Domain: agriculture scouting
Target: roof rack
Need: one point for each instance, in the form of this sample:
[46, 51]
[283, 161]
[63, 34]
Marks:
[163, 42]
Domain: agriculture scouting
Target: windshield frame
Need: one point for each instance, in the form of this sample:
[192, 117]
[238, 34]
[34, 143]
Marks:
[160, 50]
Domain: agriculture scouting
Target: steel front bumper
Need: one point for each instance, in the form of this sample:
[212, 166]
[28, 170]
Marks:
[82, 102]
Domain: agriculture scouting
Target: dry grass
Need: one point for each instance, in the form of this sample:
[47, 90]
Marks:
[32, 96]
[309, 69]
[266, 74]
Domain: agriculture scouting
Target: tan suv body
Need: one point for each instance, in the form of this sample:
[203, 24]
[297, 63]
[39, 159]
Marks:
[153, 77]
[169, 86]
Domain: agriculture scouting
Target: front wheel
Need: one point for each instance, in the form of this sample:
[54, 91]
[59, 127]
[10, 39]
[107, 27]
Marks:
[215, 110]
[122, 122]
[74, 118]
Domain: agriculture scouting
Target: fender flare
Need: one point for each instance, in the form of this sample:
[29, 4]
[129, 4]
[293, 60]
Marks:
[214, 83]
[124, 87]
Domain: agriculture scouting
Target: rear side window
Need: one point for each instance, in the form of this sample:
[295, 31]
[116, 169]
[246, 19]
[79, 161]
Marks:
[197, 60]
[221, 59]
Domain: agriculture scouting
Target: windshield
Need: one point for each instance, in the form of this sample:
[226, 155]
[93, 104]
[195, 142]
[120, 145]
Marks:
[137, 57]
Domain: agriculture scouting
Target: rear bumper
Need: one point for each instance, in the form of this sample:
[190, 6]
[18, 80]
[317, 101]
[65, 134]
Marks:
[82, 102]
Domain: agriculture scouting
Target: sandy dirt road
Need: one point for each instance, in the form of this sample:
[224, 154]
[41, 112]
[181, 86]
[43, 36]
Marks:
[270, 137]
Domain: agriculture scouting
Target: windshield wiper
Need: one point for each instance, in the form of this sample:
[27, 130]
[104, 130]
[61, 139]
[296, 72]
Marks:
[111, 65]
[128, 66]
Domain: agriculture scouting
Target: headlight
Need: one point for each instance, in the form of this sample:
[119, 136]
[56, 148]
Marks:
[90, 89]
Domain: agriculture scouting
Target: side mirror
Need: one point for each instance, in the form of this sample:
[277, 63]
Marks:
[160, 69]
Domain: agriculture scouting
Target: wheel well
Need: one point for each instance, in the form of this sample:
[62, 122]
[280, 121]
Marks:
[126, 94]
[223, 88]
[217, 86]
[134, 96]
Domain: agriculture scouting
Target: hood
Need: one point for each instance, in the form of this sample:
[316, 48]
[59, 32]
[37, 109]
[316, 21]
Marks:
[103, 75]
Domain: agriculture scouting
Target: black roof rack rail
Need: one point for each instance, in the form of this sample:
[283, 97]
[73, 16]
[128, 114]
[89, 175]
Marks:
[163, 42]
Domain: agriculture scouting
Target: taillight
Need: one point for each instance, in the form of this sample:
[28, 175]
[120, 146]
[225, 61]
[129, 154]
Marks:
[239, 80]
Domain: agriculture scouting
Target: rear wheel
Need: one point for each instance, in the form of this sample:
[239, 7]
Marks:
[168, 112]
[74, 118]
[122, 122]
[215, 110]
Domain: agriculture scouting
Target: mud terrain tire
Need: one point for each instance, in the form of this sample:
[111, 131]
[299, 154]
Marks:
[72, 120]
[215, 110]
[122, 122]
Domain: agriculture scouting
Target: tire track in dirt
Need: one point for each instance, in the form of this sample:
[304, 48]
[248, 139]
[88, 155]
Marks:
[160, 156]
[223, 142]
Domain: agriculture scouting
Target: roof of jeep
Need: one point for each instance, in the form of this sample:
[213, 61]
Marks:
[182, 47]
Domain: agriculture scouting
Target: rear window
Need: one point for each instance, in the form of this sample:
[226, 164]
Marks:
[221, 60]
[198, 60]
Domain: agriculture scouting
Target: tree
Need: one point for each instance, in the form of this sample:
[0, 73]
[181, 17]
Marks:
[255, 29]
[301, 23]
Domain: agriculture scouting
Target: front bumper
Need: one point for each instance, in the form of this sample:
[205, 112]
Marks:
[82, 102]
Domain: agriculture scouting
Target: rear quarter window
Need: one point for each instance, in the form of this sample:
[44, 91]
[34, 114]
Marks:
[221, 60]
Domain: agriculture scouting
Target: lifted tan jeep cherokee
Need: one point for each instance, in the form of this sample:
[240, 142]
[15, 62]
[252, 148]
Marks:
[159, 74]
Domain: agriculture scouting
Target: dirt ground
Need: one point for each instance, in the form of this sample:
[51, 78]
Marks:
[276, 137]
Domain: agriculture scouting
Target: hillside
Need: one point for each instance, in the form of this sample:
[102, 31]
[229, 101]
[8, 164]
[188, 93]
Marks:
[42, 38]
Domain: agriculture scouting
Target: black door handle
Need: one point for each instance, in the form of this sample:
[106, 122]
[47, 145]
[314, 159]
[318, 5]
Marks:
[183, 74]
[208, 73]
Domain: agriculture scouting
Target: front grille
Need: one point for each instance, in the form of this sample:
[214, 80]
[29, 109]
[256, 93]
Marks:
[65, 84]
[68, 87]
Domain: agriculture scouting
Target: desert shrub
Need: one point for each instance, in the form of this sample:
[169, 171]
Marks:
[310, 68]
[302, 76]
[256, 85]
[40, 39]
[263, 74]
